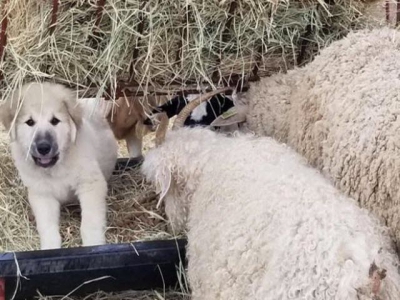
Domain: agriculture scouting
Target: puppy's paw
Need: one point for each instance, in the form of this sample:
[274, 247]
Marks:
[92, 237]
[50, 242]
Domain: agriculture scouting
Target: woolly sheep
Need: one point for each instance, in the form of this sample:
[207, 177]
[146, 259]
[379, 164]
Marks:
[263, 225]
[341, 112]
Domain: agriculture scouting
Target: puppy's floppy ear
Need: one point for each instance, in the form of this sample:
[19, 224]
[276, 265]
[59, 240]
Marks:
[74, 111]
[8, 112]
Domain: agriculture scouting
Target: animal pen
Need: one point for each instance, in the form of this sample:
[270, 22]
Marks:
[137, 49]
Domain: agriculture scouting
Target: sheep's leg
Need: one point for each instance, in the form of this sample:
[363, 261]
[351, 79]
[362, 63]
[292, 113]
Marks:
[47, 215]
[134, 144]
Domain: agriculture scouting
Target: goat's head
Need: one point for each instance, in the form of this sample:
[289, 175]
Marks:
[176, 162]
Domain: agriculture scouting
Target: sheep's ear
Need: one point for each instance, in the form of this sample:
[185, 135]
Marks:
[163, 185]
[230, 117]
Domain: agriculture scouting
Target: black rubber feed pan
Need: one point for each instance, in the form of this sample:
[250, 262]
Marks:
[84, 270]
[114, 267]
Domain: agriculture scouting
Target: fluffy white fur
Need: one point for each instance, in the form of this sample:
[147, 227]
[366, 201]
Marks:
[262, 224]
[341, 113]
[87, 156]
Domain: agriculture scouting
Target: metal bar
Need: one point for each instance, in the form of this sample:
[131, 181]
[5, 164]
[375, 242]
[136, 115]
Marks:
[2, 289]
[54, 12]
[303, 45]
[96, 37]
[258, 60]
[138, 92]
[99, 13]
[397, 12]
[387, 11]
[135, 54]
[110, 268]
[183, 33]
[224, 39]
[3, 34]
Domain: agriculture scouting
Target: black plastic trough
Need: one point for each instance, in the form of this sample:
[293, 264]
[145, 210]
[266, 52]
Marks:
[83, 270]
[114, 267]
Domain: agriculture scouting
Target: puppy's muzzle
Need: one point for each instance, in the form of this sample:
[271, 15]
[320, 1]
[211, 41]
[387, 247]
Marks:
[44, 151]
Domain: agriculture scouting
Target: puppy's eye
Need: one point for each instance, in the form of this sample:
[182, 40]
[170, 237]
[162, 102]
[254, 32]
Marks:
[30, 122]
[54, 121]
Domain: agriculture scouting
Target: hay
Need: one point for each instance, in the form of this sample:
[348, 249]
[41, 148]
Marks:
[132, 216]
[162, 42]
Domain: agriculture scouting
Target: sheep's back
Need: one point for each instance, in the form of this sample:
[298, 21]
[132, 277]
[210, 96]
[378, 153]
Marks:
[266, 217]
[347, 124]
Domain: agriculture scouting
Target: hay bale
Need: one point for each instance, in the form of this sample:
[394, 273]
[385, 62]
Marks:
[158, 43]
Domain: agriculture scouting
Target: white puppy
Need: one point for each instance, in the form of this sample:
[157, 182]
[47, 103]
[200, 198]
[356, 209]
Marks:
[62, 153]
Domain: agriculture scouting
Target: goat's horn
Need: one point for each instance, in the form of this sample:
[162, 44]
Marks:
[161, 129]
[185, 112]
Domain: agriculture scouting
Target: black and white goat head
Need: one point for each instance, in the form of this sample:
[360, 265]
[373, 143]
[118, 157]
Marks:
[204, 114]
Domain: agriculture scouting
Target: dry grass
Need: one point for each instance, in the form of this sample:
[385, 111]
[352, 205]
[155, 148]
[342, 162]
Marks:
[196, 28]
[132, 216]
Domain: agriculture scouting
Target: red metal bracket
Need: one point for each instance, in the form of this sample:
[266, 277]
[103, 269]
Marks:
[225, 36]
[387, 11]
[99, 12]
[2, 289]
[54, 16]
[397, 12]
[3, 35]
[135, 55]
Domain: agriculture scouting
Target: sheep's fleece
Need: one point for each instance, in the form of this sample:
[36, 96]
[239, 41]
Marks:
[341, 112]
[262, 224]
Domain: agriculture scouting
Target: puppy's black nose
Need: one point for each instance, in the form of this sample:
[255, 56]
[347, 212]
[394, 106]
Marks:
[43, 148]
